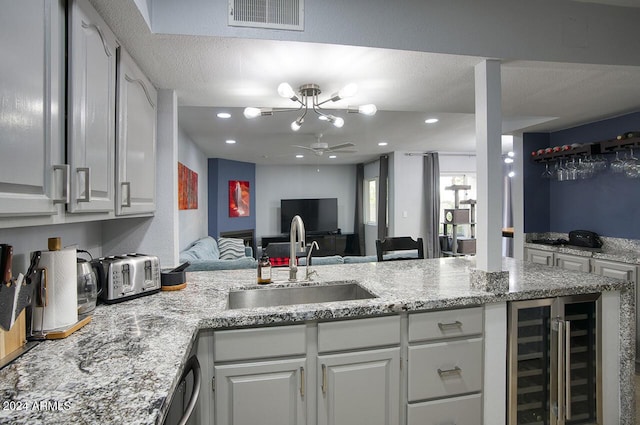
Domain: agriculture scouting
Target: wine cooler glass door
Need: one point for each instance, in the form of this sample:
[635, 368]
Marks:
[529, 362]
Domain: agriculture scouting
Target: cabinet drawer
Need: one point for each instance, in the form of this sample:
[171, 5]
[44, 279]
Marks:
[465, 410]
[360, 333]
[246, 344]
[445, 369]
[445, 324]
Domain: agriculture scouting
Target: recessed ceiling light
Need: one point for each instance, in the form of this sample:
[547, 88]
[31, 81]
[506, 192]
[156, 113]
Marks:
[382, 143]
[431, 120]
[299, 155]
[223, 115]
[230, 142]
[332, 156]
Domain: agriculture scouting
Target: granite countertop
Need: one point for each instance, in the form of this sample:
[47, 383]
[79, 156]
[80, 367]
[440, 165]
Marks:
[123, 367]
[620, 253]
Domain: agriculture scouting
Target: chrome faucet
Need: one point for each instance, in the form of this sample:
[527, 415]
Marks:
[309, 273]
[296, 243]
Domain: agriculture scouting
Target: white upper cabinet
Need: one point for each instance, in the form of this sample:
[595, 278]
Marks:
[31, 100]
[91, 113]
[136, 139]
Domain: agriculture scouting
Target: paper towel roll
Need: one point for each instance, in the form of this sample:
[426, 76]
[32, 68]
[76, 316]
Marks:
[62, 295]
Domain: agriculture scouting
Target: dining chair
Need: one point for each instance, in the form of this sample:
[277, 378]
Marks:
[403, 243]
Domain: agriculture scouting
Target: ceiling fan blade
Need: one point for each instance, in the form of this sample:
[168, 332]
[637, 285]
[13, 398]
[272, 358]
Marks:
[340, 146]
[343, 151]
[304, 147]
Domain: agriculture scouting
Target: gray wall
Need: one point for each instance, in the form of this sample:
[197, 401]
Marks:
[192, 224]
[547, 30]
[277, 182]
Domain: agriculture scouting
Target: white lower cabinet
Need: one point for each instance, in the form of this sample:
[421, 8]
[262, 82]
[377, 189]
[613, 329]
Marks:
[572, 262]
[539, 256]
[359, 388]
[463, 410]
[350, 372]
[445, 367]
[265, 393]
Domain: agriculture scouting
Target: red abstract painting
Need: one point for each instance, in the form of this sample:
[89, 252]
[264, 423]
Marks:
[187, 188]
[239, 198]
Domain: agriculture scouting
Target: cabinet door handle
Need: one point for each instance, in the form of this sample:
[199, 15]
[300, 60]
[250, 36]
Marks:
[567, 369]
[126, 203]
[301, 381]
[87, 184]
[444, 326]
[65, 183]
[324, 380]
[448, 372]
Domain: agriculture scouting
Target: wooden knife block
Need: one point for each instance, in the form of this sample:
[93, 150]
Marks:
[15, 338]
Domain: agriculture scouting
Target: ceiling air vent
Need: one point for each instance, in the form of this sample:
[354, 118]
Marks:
[275, 14]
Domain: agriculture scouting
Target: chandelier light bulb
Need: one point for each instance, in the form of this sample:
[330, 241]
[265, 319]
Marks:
[347, 91]
[251, 112]
[295, 126]
[285, 90]
[338, 122]
[508, 160]
[369, 109]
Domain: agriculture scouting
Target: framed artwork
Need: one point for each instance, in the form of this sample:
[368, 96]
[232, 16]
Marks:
[239, 198]
[187, 188]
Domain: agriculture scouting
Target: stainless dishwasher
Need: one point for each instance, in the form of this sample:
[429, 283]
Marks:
[186, 395]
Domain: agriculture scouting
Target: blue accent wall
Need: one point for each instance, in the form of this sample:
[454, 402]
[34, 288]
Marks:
[606, 204]
[220, 172]
[536, 189]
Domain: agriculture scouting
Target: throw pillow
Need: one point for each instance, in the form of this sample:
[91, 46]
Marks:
[231, 248]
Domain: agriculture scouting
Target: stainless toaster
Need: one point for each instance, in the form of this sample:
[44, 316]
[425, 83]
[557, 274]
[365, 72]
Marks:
[124, 277]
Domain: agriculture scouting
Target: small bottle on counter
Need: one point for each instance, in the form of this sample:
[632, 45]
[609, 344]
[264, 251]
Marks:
[264, 269]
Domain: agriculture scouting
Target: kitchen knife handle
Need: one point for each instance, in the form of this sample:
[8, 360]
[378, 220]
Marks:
[87, 184]
[7, 257]
[126, 203]
[65, 183]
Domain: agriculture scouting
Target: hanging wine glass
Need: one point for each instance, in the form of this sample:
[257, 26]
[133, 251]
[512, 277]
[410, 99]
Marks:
[547, 173]
[631, 166]
[617, 165]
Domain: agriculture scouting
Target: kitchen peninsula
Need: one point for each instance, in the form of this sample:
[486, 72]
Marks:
[124, 367]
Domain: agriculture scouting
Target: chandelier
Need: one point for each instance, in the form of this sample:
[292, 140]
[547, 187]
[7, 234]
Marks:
[307, 97]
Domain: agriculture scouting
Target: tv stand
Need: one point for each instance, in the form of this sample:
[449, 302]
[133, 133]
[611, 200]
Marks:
[329, 243]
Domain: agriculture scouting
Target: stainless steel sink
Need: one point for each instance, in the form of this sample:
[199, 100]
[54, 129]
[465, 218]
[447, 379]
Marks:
[326, 292]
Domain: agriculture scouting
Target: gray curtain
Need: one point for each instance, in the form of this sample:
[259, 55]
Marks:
[358, 220]
[431, 184]
[382, 196]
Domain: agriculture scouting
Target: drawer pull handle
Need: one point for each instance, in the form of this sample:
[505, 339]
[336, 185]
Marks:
[448, 372]
[444, 326]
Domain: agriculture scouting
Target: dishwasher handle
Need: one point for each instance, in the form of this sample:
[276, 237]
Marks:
[192, 365]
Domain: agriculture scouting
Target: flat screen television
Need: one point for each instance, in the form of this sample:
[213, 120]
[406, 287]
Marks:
[318, 215]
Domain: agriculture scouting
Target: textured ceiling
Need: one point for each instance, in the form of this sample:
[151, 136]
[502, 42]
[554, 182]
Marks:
[212, 74]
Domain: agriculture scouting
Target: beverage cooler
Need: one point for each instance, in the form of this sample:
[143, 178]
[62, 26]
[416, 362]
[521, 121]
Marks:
[555, 361]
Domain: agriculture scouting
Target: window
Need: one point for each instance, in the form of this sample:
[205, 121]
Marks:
[371, 201]
[447, 197]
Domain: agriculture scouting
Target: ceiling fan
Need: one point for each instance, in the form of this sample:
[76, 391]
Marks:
[319, 148]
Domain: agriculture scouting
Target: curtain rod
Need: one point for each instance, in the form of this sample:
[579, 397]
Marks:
[441, 153]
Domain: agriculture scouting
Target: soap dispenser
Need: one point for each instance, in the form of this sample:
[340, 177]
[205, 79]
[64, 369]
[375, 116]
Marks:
[264, 269]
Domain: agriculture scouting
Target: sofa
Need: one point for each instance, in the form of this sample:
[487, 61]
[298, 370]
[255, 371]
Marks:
[225, 254]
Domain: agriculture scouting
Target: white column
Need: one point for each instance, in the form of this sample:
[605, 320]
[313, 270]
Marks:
[489, 166]
[517, 197]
